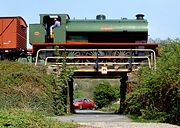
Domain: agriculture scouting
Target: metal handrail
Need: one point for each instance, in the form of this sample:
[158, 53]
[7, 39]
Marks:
[105, 63]
[148, 50]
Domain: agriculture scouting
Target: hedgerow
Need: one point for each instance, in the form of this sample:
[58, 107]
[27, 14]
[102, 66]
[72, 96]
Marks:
[157, 95]
[25, 86]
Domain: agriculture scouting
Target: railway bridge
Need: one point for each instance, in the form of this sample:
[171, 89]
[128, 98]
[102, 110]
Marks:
[99, 63]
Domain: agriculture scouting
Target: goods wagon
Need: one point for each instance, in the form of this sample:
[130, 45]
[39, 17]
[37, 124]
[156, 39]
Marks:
[13, 37]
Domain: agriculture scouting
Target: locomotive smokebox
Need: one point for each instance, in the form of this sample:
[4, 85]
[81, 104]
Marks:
[100, 17]
[140, 17]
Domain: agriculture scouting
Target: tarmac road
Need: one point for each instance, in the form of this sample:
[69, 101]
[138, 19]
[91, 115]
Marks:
[84, 116]
[99, 119]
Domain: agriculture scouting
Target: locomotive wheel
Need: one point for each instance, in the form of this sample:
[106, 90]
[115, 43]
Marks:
[73, 54]
[120, 53]
[94, 53]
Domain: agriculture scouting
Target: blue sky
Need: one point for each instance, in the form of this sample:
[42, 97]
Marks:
[163, 15]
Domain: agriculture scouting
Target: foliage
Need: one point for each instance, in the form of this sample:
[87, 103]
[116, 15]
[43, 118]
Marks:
[136, 101]
[157, 96]
[104, 94]
[60, 93]
[25, 86]
[79, 94]
[84, 88]
[24, 118]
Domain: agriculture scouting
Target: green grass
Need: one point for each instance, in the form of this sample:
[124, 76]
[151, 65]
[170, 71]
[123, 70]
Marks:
[140, 119]
[22, 118]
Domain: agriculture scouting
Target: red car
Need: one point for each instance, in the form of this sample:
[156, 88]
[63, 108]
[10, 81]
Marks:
[84, 103]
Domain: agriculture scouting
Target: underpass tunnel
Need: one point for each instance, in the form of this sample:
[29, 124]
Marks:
[122, 82]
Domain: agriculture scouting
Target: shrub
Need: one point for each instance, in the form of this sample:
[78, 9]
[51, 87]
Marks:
[25, 86]
[61, 98]
[158, 93]
[104, 94]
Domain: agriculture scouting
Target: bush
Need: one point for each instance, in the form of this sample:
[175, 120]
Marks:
[104, 94]
[61, 92]
[158, 93]
[136, 101]
[25, 86]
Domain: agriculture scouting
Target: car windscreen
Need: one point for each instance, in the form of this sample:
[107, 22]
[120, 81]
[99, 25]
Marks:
[78, 100]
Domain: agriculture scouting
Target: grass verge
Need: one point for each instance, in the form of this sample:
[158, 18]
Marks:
[22, 118]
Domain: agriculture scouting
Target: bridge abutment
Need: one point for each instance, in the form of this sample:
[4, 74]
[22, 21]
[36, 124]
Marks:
[123, 90]
[70, 96]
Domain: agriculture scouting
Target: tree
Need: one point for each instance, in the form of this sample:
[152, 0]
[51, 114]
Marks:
[104, 94]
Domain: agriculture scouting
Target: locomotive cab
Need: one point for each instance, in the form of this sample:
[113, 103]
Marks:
[41, 33]
[48, 22]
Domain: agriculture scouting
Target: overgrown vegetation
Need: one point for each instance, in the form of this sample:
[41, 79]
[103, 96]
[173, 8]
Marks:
[60, 93]
[27, 92]
[61, 88]
[157, 94]
[104, 94]
[23, 118]
[25, 86]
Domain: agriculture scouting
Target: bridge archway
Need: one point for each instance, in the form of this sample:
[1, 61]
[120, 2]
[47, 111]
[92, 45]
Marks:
[123, 78]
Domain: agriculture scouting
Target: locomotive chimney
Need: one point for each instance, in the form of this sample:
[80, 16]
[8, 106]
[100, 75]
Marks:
[100, 17]
[140, 17]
